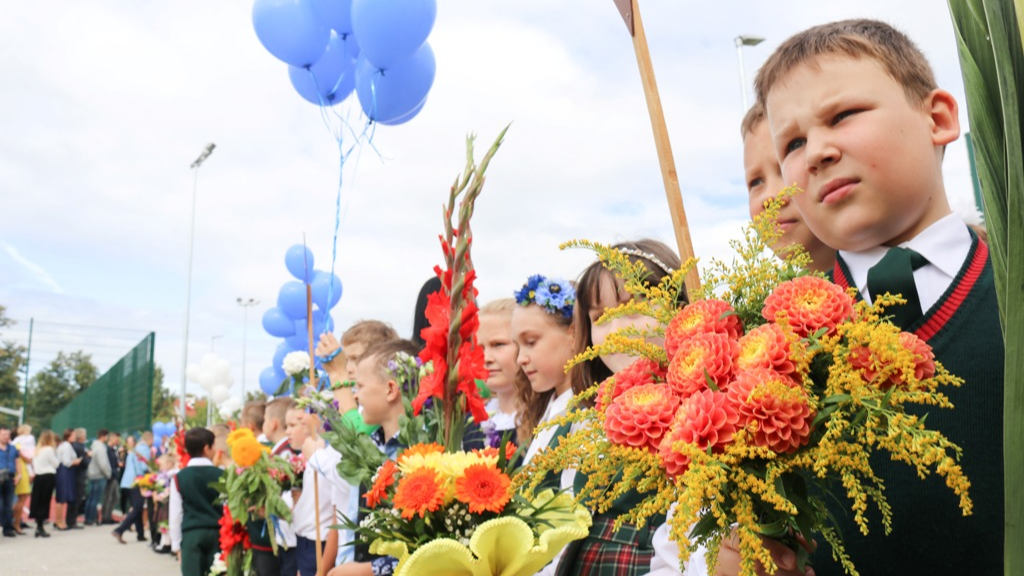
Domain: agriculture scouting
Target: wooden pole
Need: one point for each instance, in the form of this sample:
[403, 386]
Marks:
[309, 330]
[316, 501]
[661, 141]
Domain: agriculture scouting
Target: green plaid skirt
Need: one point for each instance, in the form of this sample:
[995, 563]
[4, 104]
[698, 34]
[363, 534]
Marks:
[605, 552]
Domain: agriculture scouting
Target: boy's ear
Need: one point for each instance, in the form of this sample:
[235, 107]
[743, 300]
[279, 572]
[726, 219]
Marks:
[944, 114]
[394, 391]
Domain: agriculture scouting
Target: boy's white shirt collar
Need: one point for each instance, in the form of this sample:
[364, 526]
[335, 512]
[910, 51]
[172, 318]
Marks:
[278, 444]
[198, 462]
[945, 244]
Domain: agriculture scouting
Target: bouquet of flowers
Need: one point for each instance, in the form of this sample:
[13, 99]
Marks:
[441, 504]
[149, 483]
[767, 388]
[234, 558]
[249, 486]
[290, 479]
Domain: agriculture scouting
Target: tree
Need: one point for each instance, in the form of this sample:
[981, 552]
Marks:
[54, 387]
[12, 361]
[163, 399]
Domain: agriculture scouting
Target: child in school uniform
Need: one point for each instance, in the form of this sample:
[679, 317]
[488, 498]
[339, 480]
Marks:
[194, 511]
[274, 430]
[859, 123]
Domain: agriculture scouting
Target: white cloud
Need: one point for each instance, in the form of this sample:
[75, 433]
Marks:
[40, 275]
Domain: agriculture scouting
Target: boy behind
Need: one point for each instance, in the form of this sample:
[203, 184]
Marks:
[194, 511]
[859, 124]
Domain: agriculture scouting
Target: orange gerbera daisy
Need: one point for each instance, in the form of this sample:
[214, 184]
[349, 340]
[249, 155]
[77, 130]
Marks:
[484, 488]
[385, 477]
[423, 449]
[491, 452]
[419, 492]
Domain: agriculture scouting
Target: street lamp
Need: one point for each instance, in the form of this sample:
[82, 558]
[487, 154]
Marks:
[188, 285]
[245, 303]
[740, 42]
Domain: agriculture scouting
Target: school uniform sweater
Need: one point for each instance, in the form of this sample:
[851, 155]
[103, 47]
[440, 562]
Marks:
[929, 533]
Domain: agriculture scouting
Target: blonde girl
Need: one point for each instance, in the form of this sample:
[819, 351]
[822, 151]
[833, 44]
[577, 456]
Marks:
[495, 337]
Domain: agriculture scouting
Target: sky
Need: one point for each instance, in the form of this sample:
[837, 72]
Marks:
[105, 104]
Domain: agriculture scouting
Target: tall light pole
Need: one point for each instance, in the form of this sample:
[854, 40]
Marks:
[188, 285]
[740, 42]
[245, 303]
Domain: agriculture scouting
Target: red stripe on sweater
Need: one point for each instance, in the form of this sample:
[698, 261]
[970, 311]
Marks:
[950, 306]
[838, 278]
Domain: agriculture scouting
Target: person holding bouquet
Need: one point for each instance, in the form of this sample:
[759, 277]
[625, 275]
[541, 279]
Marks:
[136, 465]
[194, 510]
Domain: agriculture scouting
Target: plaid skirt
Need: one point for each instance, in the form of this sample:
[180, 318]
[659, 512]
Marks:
[605, 552]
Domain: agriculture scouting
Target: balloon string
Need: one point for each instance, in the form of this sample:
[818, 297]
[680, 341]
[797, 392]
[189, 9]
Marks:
[366, 135]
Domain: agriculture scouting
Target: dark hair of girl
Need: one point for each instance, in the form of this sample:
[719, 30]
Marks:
[588, 294]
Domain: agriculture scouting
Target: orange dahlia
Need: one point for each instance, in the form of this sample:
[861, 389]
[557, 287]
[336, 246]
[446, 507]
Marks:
[765, 347]
[699, 358]
[484, 488]
[700, 317]
[641, 416]
[775, 409]
[641, 371]
[871, 362]
[246, 451]
[424, 449]
[419, 492]
[492, 452]
[810, 303]
[385, 477]
[706, 420]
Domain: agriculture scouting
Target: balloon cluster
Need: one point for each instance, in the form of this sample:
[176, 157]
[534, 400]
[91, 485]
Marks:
[163, 430]
[288, 319]
[213, 375]
[377, 48]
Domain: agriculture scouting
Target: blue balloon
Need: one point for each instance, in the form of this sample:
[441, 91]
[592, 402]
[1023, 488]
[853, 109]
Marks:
[332, 79]
[300, 341]
[277, 323]
[390, 31]
[172, 429]
[336, 13]
[269, 382]
[291, 30]
[280, 352]
[157, 428]
[387, 95]
[405, 117]
[324, 283]
[299, 261]
[292, 300]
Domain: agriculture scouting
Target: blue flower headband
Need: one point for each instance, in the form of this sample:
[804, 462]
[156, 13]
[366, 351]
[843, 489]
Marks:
[553, 295]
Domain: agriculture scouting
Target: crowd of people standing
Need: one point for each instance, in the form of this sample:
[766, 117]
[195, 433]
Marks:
[66, 483]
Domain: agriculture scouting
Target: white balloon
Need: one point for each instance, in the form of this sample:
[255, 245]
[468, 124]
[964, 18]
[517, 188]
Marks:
[227, 381]
[235, 402]
[207, 379]
[222, 368]
[192, 373]
[209, 360]
[226, 412]
[219, 394]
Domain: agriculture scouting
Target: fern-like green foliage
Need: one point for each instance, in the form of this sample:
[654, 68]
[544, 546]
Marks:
[991, 45]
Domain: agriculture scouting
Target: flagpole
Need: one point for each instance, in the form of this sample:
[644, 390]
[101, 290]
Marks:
[631, 14]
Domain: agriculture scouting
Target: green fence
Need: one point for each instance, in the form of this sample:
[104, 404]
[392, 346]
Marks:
[121, 399]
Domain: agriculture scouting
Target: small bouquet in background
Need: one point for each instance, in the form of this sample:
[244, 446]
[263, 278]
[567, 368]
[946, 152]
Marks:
[769, 388]
[149, 483]
[249, 487]
[290, 479]
[296, 368]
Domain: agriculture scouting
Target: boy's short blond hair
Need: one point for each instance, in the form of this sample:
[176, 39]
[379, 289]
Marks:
[861, 38]
[253, 413]
[278, 408]
[369, 332]
[751, 119]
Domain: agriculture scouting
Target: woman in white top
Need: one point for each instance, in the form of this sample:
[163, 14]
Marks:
[45, 464]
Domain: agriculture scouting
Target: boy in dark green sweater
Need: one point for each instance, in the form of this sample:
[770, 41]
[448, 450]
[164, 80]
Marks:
[195, 512]
[859, 123]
